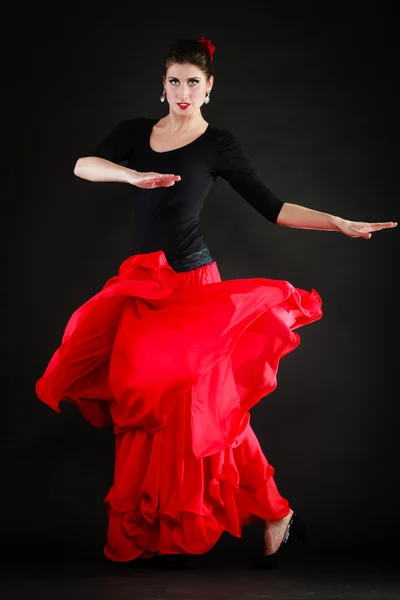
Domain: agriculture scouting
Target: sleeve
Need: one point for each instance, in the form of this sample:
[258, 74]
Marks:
[234, 165]
[118, 145]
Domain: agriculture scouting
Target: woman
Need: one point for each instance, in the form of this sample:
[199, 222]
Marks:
[172, 363]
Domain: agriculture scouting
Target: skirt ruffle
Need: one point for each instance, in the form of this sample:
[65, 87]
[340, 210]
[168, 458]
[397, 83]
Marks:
[156, 350]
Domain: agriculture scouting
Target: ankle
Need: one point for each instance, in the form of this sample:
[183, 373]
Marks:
[287, 516]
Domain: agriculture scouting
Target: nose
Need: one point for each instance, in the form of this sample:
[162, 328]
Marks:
[184, 93]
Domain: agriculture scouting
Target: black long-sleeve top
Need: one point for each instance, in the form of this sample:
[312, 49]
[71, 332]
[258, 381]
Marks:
[167, 218]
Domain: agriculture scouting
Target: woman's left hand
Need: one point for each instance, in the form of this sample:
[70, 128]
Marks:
[356, 229]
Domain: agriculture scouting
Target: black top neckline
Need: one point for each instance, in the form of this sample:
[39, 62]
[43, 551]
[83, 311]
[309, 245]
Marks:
[152, 122]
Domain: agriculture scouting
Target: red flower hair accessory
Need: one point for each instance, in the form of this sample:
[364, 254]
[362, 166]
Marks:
[208, 45]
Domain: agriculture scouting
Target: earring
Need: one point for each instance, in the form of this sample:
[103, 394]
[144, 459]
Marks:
[207, 98]
[162, 97]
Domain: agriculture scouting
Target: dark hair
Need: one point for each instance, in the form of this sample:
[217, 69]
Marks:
[189, 51]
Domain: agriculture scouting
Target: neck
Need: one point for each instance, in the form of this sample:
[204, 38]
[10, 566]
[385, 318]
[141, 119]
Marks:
[176, 123]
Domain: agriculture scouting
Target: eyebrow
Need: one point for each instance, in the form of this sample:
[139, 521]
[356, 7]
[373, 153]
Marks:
[173, 77]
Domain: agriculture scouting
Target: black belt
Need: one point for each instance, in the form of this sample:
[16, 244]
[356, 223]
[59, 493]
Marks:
[197, 259]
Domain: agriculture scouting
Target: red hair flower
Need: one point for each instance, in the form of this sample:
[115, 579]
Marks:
[208, 45]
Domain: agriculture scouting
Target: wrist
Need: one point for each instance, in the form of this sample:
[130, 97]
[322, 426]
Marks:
[336, 222]
[127, 175]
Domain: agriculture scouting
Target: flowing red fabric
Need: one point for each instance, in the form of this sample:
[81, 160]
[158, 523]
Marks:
[174, 362]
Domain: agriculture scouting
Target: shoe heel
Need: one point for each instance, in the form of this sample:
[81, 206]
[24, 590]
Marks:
[298, 528]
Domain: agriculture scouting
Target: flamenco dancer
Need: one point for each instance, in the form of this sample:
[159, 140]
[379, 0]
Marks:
[169, 355]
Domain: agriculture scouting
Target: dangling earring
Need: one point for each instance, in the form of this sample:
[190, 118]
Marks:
[207, 98]
[162, 97]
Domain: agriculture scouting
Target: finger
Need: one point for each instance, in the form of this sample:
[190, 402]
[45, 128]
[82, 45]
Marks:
[376, 226]
[150, 180]
[169, 175]
[163, 183]
[365, 236]
[379, 226]
[148, 184]
[151, 176]
[371, 226]
[172, 177]
[387, 225]
[361, 232]
[368, 228]
[151, 184]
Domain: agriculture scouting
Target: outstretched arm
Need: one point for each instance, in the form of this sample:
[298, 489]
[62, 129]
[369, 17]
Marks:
[300, 217]
[102, 162]
[93, 168]
[234, 165]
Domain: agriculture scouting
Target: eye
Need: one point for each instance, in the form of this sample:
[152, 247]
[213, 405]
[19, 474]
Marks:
[192, 82]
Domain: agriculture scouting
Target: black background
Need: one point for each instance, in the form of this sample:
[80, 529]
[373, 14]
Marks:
[310, 90]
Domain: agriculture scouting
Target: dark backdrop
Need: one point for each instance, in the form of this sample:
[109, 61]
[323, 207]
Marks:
[310, 91]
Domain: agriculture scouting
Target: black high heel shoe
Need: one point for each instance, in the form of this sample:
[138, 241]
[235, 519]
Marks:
[296, 527]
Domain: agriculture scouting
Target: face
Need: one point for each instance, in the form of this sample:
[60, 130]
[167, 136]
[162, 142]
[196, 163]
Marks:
[186, 87]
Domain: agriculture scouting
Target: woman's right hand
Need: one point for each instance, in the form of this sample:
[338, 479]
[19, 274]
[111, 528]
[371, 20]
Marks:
[151, 179]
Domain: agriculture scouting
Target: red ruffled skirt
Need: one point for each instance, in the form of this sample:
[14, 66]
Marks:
[174, 362]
